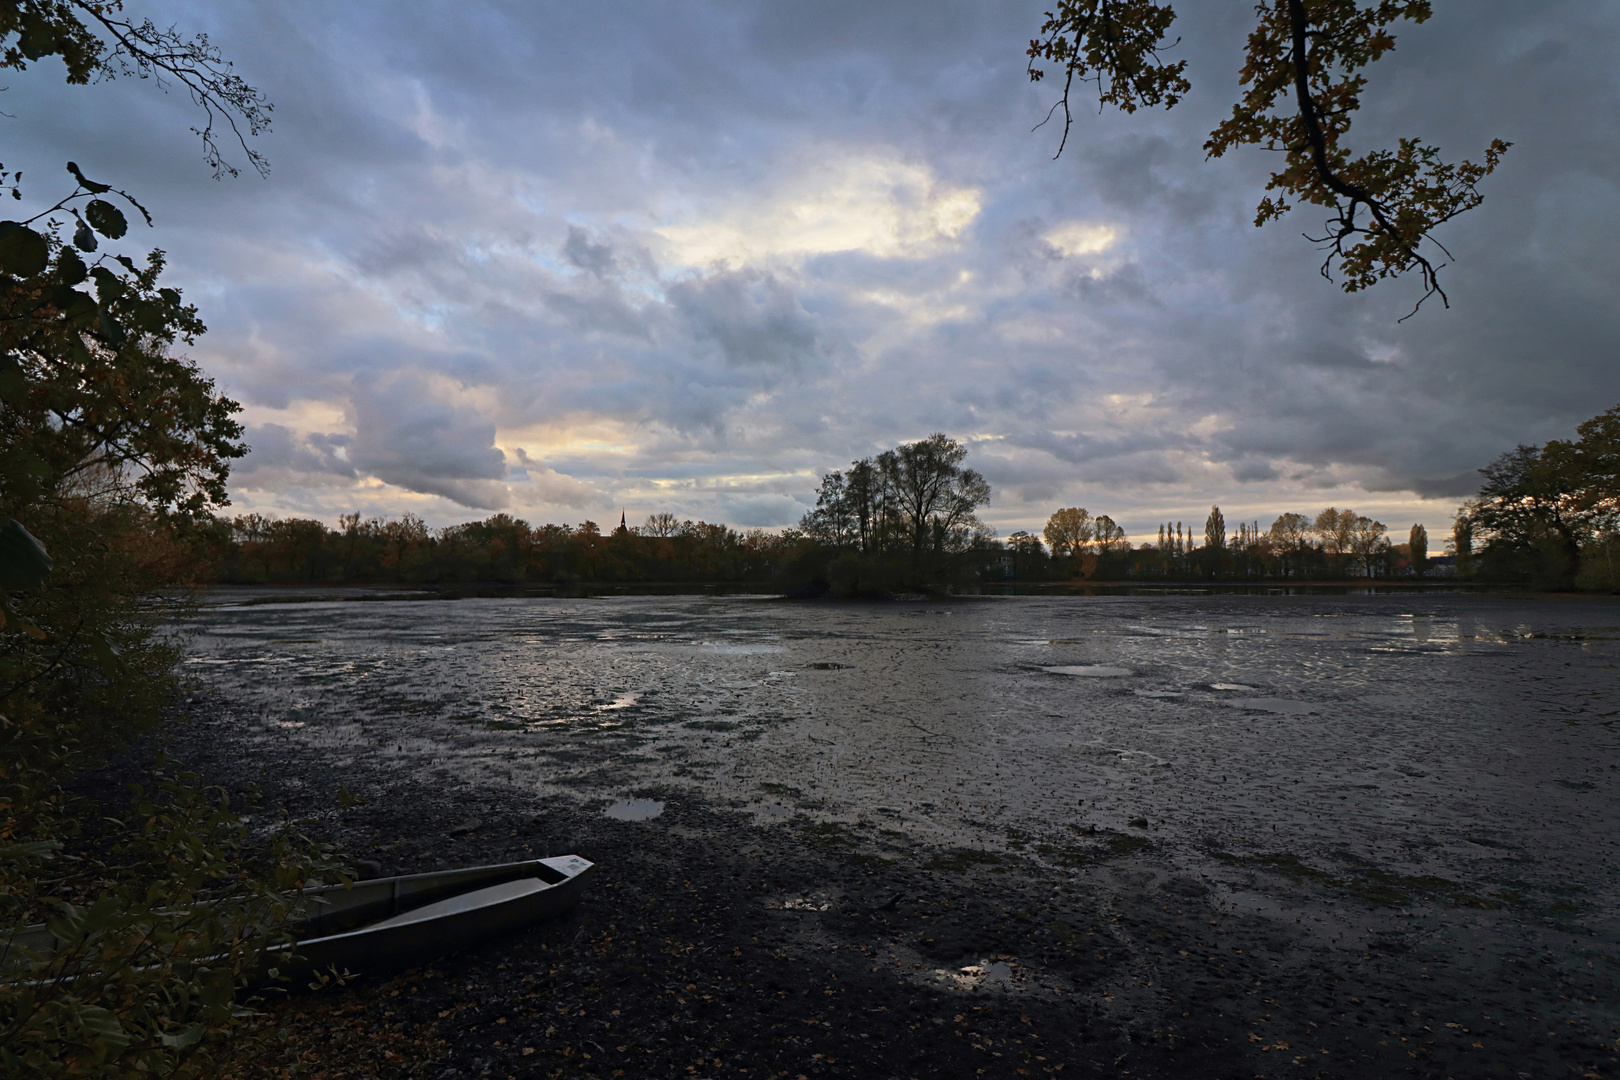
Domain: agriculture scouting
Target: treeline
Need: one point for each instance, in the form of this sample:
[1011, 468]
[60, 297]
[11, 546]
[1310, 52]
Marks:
[256, 549]
[1547, 516]
[1333, 544]
[902, 519]
[907, 519]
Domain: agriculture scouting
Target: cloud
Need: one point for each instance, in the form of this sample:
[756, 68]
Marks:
[408, 434]
[560, 260]
[277, 447]
[828, 201]
[531, 482]
[280, 457]
[752, 316]
[581, 251]
[1073, 238]
[765, 511]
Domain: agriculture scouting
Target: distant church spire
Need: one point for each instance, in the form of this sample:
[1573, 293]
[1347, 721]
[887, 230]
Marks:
[621, 521]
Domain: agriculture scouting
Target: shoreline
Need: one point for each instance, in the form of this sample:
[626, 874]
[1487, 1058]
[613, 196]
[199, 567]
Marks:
[250, 595]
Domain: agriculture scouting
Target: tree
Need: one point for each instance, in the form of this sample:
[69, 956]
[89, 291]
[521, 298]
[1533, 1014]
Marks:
[96, 43]
[1540, 507]
[849, 509]
[1108, 536]
[1462, 541]
[864, 489]
[1290, 534]
[1215, 530]
[116, 450]
[1303, 80]
[1597, 450]
[1368, 542]
[934, 497]
[1417, 544]
[661, 524]
[1028, 556]
[1335, 528]
[1530, 509]
[831, 523]
[1068, 531]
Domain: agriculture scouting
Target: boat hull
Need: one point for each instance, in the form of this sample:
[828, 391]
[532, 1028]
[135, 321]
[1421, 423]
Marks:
[457, 909]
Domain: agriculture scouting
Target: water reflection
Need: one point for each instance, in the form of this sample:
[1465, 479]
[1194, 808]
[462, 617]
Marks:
[1275, 705]
[634, 809]
[1096, 671]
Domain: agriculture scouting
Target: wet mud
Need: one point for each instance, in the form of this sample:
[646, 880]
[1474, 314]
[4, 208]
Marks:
[1213, 837]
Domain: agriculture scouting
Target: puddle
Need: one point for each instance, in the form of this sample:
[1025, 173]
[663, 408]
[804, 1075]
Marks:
[1284, 706]
[986, 973]
[634, 809]
[800, 903]
[1095, 671]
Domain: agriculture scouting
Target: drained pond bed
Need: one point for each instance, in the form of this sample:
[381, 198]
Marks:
[935, 840]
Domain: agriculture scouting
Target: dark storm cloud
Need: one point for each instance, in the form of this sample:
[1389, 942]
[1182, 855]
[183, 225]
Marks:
[690, 256]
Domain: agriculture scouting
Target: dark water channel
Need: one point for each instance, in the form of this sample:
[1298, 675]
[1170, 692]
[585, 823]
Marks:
[1454, 755]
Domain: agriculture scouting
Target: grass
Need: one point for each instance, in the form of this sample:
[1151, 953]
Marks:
[779, 789]
[1369, 883]
[827, 834]
[1118, 844]
[962, 861]
[1124, 845]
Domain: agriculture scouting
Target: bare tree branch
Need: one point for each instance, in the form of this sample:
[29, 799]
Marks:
[149, 51]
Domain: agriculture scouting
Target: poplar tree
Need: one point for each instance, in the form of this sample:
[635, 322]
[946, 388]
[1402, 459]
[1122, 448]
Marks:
[1418, 543]
[1215, 529]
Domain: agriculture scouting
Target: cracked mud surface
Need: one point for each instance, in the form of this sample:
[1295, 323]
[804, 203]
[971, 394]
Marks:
[1190, 836]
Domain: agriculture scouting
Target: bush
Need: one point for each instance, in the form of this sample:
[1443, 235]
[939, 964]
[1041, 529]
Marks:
[116, 451]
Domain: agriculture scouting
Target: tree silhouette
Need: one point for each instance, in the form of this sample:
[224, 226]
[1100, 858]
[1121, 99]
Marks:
[1417, 543]
[1302, 82]
[1215, 529]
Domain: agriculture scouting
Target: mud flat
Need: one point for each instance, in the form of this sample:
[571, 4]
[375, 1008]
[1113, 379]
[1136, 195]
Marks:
[1171, 836]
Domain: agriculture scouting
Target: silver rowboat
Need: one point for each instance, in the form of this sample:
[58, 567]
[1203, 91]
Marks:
[387, 922]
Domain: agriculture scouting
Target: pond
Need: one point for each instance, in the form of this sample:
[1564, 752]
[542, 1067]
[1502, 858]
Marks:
[1456, 747]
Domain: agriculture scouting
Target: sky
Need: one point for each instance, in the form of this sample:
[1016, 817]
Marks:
[562, 260]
